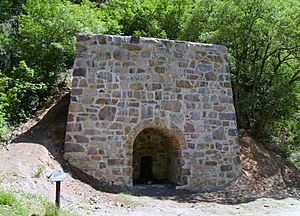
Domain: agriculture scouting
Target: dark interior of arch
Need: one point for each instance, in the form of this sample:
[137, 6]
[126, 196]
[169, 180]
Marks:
[155, 158]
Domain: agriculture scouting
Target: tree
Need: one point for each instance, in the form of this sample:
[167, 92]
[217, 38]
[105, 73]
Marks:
[262, 37]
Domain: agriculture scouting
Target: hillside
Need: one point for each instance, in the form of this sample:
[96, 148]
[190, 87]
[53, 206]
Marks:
[265, 175]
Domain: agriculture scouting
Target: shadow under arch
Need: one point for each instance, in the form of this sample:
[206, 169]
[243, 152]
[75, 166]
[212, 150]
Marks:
[165, 150]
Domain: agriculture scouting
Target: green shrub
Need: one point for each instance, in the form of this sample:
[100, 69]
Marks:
[20, 93]
[7, 198]
[4, 129]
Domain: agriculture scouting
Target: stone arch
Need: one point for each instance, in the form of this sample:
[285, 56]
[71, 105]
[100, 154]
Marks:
[176, 142]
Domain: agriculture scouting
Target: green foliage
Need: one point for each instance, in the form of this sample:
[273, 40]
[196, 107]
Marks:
[9, 205]
[47, 34]
[7, 198]
[4, 129]
[262, 37]
[20, 95]
[38, 172]
[158, 18]
[52, 210]
[23, 204]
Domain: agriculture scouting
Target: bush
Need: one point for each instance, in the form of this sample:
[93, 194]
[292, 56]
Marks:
[7, 198]
[5, 132]
[20, 93]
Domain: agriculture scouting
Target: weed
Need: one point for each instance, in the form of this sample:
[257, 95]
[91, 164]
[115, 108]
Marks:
[52, 210]
[38, 172]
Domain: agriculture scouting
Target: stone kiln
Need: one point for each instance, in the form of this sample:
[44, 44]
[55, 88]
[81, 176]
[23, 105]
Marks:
[146, 109]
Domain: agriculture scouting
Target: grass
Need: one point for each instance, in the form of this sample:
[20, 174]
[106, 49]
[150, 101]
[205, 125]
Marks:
[126, 199]
[23, 204]
[9, 205]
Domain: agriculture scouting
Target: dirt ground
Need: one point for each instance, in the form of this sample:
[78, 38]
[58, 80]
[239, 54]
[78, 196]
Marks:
[269, 185]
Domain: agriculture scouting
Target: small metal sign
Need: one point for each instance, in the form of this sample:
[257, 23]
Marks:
[59, 176]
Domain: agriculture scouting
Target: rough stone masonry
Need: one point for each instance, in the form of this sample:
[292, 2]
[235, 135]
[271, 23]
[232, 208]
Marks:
[154, 110]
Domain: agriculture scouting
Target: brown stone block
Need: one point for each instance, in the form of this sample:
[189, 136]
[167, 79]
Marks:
[107, 113]
[185, 171]
[189, 128]
[102, 56]
[81, 139]
[73, 147]
[76, 91]
[153, 86]
[227, 84]
[91, 131]
[70, 117]
[182, 64]
[91, 110]
[68, 138]
[192, 97]
[92, 151]
[96, 157]
[113, 86]
[133, 112]
[121, 55]
[116, 171]
[83, 83]
[80, 48]
[219, 134]
[74, 127]
[121, 119]
[219, 108]
[172, 105]
[136, 86]
[227, 116]
[134, 104]
[115, 126]
[133, 120]
[132, 47]
[107, 101]
[183, 84]
[160, 69]
[210, 76]
[80, 72]
[101, 39]
[115, 162]
[99, 139]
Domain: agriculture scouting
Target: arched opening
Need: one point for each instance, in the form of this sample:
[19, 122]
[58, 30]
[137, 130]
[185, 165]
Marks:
[156, 157]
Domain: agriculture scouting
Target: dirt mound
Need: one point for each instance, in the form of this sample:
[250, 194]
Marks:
[265, 167]
[264, 175]
[47, 127]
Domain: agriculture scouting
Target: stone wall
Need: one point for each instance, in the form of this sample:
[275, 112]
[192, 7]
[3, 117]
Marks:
[126, 86]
